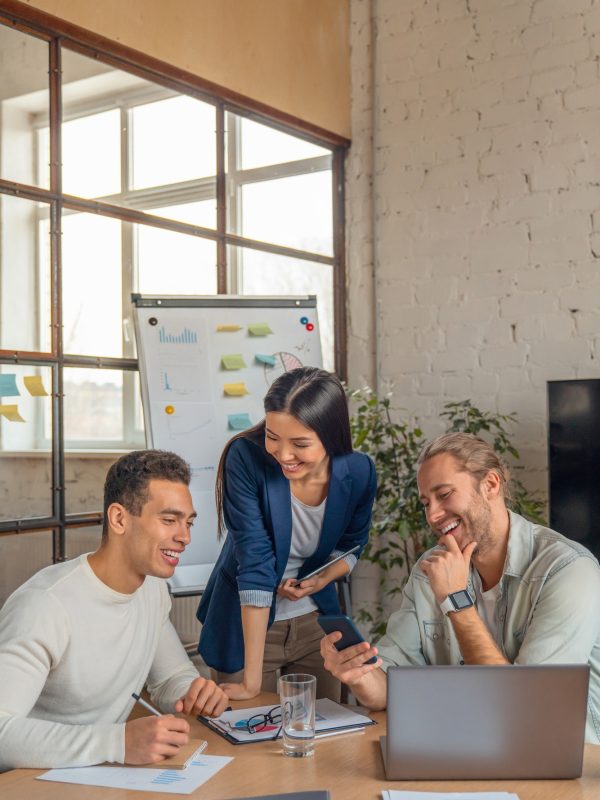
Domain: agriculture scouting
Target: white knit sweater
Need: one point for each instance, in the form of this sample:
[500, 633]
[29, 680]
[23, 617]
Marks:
[72, 651]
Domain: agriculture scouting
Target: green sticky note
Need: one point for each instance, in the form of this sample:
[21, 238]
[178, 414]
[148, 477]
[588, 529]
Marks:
[264, 359]
[239, 422]
[233, 361]
[259, 329]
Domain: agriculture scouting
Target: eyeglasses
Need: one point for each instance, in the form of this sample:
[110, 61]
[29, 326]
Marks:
[259, 722]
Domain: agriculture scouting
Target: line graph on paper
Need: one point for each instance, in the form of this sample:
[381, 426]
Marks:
[185, 381]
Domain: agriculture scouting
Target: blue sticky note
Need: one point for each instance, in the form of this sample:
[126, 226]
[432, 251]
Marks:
[8, 385]
[239, 422]
[264, 359]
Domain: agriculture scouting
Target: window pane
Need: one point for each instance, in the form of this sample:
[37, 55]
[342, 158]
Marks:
[296, 212]
[266, 274]
[85, 475]
[91, 154]
[24, 275]
[174, 263]
[91, 280]
[21, 556]
[25, 463]
[173, 141]
[24, 107]
[84, 540]
[261, 145]
[93, 98]
[93, 407]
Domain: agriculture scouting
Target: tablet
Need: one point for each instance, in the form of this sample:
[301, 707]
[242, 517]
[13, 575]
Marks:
[328, 564]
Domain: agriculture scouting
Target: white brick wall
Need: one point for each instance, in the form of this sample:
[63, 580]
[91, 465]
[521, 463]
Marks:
[477, 124]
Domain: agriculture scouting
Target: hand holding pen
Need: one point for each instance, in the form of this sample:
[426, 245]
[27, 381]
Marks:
[151, 739]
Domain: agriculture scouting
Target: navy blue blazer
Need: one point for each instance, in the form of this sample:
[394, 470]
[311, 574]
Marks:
[258, 516]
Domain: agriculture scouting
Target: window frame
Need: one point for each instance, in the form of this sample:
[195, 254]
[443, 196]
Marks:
[167, 79]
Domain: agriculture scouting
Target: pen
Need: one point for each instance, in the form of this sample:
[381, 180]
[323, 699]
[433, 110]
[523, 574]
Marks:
[142, 702]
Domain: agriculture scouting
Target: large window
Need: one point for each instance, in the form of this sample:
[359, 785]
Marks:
[120, 180]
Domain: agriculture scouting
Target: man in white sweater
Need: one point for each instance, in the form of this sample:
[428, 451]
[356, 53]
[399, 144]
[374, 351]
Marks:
[78, 638]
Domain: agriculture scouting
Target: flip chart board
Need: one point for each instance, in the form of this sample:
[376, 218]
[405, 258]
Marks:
[205, 366]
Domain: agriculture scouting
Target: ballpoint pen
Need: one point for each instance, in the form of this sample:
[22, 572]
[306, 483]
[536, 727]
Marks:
[142, 702]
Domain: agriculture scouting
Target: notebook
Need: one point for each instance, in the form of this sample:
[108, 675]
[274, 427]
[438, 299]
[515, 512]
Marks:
[485, 722]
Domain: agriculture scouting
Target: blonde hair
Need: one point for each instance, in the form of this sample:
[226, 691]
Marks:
[474, 455]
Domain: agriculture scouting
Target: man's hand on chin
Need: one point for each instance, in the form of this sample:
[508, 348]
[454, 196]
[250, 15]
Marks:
[448, 569]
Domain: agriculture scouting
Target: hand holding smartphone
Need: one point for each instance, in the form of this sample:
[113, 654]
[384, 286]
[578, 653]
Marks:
[350, 633]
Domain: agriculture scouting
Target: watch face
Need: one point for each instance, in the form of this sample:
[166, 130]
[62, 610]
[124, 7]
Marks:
[461, 599]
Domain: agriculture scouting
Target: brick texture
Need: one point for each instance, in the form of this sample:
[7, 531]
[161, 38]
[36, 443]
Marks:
[477, 132]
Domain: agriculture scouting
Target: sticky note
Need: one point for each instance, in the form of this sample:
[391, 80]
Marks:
[259, 329]
[234, 361]
[11, 412]
[239, 422]
[228, 328]
[8, 385]
[264, 359]
[235, 389]
[34, 385]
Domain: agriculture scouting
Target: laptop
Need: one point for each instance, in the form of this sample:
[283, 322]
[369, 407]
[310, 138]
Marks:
[485, 722]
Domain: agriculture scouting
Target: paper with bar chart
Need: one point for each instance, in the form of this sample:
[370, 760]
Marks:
[173, 781]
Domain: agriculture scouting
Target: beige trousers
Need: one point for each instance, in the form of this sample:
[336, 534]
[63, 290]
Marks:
[292, 645]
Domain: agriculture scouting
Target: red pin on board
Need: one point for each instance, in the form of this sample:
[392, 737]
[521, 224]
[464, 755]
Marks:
[310, 326]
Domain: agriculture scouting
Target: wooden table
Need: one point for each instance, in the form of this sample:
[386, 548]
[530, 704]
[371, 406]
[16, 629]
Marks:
[349, 766]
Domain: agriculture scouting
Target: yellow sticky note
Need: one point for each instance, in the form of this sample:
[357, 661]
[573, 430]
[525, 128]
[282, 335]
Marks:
[228, 328]
[11, 412]
[235, 389]
[259, 329]
[34, 385]
[233, 361]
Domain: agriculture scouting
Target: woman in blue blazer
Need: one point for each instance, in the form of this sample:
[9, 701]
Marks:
[292, 495]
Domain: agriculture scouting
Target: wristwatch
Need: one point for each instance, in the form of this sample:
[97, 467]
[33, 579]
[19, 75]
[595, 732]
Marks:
[456, 601]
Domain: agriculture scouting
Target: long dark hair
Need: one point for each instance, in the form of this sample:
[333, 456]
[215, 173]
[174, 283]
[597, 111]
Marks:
[316, 398]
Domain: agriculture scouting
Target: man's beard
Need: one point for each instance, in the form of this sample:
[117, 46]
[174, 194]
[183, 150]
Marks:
[477, 519]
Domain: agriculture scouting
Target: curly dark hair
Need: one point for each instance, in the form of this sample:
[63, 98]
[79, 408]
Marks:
[128, 478]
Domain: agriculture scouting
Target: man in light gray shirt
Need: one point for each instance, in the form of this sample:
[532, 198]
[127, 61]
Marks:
[496, 590]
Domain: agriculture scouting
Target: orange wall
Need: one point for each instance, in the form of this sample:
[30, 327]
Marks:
[293, 55]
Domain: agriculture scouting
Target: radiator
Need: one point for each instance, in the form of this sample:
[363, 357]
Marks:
[183, 617]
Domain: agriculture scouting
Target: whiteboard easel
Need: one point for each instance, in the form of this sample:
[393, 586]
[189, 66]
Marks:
[205, 364]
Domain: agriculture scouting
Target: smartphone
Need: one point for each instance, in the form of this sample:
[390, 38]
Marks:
[328, 564]
[350, 633]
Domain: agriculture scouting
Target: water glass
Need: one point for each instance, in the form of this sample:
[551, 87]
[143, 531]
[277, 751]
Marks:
[298, 693]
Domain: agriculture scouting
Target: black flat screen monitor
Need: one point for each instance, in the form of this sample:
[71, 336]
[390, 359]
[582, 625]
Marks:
[574, 459]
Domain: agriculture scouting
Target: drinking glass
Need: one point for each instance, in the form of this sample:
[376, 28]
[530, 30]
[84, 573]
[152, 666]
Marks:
[298, 694]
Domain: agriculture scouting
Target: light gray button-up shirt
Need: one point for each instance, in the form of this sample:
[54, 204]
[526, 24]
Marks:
[548, 611]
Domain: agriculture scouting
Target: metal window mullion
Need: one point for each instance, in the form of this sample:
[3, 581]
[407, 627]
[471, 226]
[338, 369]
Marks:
[58, 453]
[126, 274]
[339, 267]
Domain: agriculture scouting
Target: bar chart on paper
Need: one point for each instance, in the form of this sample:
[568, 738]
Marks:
[185, 336]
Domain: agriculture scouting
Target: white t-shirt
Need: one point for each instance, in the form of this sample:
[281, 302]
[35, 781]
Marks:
[72, 651]
[486, 604]
[307, 522]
